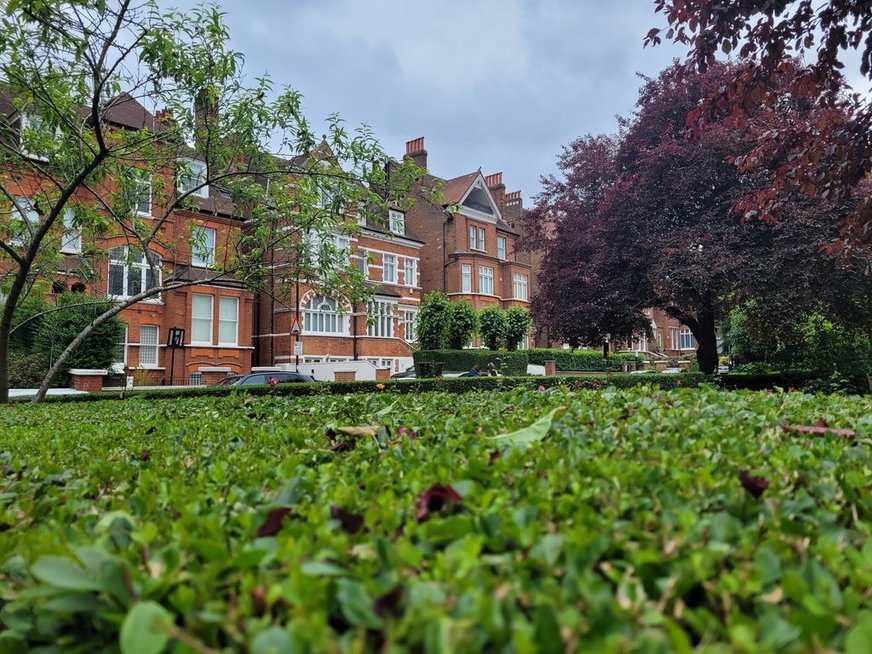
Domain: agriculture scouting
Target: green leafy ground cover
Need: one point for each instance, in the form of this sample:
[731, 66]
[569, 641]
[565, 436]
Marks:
[635, 520]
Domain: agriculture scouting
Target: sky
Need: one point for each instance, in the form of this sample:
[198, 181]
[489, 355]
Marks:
[499, 85]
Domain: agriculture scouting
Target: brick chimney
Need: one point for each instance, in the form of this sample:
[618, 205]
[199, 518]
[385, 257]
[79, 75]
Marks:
[514, 209]
[415, 150]
[498, 189]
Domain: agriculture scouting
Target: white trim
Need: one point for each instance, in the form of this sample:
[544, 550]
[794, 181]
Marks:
[393, 238]
[202, 192]
[480, 183]
[503, 299]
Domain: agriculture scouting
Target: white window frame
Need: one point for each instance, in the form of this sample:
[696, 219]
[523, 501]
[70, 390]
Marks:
[27, 122]
[476, 238]
[389, 263]
[343, 245]
[410, 324]
[192, 176]
[129, 266]
[203, 242]
[363, 262]
[397, 222]
[120, 363]
[685, 334]
[519, 286]
[226, 300]
[155, 346]
[203, 320]
[410, 272]
[501, 248]
[472, 237]
[142, 178]
[28, 221]
[71, 240]
[674, 338]
[466, 278]
[485, 280]
[315, 317]
[380, 319]
[481, 242]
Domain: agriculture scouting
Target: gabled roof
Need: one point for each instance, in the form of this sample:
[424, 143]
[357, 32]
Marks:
[455, 189]
[125, 111]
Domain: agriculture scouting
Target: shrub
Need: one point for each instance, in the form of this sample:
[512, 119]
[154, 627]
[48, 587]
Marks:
[507, 363]
[26, 319]
[463, 323]
[26, 370]
[492, 327]
[517, 326]
[433, 321]
[581, 360]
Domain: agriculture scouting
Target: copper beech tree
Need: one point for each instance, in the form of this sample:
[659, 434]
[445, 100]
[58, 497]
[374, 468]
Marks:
[645, 219]
[811, 45]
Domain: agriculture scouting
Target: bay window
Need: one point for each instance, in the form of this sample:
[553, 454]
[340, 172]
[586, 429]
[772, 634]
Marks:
[485, 280]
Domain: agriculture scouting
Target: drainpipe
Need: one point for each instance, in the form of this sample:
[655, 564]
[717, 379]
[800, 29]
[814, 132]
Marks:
[448, 218]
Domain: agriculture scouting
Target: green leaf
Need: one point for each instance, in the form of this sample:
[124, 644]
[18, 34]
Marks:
[274, 640]
[532, 433]
[357, 604]
[859, 639]
[63, 573]
[322, 569]
[146, 629]
[547, 631]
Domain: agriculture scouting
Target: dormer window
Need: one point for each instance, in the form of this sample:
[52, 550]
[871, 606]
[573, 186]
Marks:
[191, 176]
[397, 222]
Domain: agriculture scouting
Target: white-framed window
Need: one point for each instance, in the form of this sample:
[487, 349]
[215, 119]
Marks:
[119, 354]
[201, 319]
[321, 316]
[190, 174]
[343, 248]
[21, 226]
[485, 280]
[130, 274]
[380, 319]
[228, 320]
[363, 263]
[318, 246]
[686, 339]
[203, 241]
[148, 346]
[520, 286]
[35, 137]
[476, 238]
[389, 268]
[411, 272]
[410, 324]
[466, 278]
[396, 222]
[138, 191]
[501, 247]
[673, 339]
[71, 241]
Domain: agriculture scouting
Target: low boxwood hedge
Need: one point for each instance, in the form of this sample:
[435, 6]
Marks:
[581, 360]
[508, 363]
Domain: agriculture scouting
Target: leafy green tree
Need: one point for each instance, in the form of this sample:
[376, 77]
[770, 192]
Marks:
[517, 326]
[462, 325]
[69, 68]
[492, 327]
[433, 321]
[72, 313]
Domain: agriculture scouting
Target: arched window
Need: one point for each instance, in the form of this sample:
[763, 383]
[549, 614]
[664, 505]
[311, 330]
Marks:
[130, 274]
[321, 316]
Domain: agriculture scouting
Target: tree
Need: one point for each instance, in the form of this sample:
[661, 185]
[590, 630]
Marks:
[463, 323]
[73, 157]
[492, 327]
[517, 327]
[646, 220]
[827, 158]
[434, 318]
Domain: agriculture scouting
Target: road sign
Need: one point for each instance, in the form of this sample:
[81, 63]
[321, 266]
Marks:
[298, 348]
[296, 330]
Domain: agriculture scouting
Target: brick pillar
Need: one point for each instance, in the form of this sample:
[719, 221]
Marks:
[550, 367]
[89, 380]
[211, 376]
[344, 375]
[382, 374]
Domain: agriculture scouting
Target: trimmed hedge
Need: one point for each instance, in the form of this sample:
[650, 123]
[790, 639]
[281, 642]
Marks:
[581, 360]
[508, 363]
[401, 386]
[762, 382]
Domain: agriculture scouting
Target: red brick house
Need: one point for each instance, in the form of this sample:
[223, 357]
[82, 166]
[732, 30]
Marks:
[470, 236]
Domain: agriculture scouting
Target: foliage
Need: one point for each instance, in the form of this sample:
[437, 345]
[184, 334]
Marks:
[492, 327]
[246, 523]
[26, 370]
[746, 338]
[463, 323]
[646, 220]
[581, 360]
[810, 44]
[507, 363]
[58, 328]
[839, 358]
[517, 326]
[434, 319]
[25, 320]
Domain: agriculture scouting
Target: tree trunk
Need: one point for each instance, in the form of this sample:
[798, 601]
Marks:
[706, 338]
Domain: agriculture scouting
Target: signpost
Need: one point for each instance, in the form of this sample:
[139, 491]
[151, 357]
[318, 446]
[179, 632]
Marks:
[175, 341]
[296, 330]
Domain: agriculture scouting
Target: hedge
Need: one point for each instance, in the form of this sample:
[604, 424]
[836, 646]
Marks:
[581, 360]
[508, 363]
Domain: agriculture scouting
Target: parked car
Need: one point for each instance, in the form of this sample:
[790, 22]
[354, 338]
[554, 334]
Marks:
[264, 378]
[408, 373]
